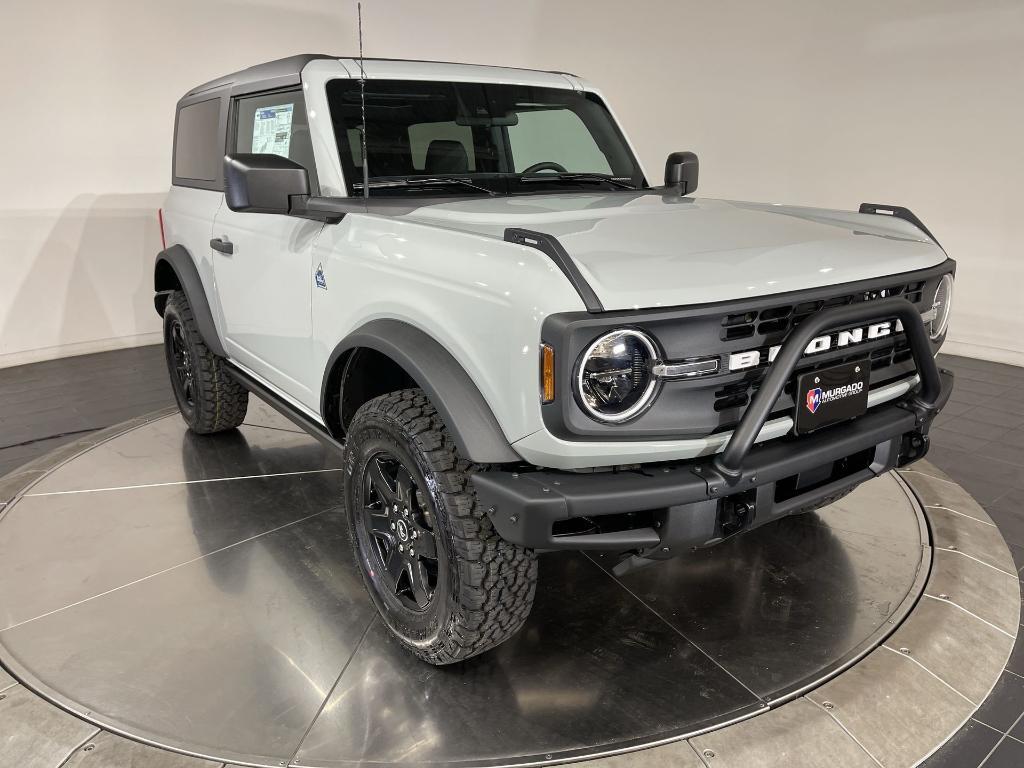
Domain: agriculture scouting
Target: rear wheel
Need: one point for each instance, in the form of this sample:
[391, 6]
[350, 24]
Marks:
[209, 398]
[445, 583]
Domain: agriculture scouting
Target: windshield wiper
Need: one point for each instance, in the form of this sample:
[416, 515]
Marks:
[578, 177]
[433, 181]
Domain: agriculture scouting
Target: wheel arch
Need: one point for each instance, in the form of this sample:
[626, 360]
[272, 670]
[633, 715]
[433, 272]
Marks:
[175, 270]
[384, 355]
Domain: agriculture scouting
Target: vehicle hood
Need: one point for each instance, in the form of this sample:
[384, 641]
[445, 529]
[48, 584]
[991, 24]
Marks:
[650, 249]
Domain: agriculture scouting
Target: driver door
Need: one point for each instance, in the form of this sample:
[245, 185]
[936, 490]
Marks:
[262, 262]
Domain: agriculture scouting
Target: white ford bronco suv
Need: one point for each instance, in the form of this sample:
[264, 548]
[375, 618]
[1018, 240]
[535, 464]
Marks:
[463, 277]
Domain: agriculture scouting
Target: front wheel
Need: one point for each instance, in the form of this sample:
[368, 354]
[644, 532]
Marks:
[447, 586]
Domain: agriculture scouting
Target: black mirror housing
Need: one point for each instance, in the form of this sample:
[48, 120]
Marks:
[681, 171]
[263, 183]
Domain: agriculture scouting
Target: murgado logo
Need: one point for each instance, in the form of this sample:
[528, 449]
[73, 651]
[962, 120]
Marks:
[818, 397]
[814, 400]
[738, 361]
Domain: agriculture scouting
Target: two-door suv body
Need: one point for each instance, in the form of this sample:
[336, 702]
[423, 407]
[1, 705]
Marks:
[463, 276]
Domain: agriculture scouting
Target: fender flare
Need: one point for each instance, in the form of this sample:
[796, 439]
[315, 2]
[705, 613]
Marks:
[179, 260]
[463, 409]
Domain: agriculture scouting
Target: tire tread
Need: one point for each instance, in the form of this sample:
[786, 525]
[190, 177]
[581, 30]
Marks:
[220, 401]
[497, 580]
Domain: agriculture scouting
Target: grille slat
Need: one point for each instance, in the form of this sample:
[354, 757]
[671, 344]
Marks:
[783, 319]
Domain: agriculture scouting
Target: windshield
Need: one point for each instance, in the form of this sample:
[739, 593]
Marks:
[442, 138]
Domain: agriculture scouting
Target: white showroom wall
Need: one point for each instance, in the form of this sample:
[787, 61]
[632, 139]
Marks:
[812, 102]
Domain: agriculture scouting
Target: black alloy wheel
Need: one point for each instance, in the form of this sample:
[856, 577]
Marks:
[184, 376]
[400, 529]
[444, 582]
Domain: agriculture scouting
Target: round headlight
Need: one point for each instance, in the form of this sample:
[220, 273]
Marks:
[941, 305]
[614, 380]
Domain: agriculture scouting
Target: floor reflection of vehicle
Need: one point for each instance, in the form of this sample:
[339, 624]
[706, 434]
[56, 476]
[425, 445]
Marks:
[773, 608]
[264, 503]
[802, 596]
[290, 608]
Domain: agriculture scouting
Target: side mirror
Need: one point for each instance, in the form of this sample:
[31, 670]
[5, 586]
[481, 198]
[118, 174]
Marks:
[263, 183]
[681, 171]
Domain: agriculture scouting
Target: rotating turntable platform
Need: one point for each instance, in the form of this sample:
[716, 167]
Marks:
[198, 594]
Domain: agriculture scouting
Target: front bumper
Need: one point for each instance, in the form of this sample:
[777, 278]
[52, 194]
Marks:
[660, 509]
[674, 507]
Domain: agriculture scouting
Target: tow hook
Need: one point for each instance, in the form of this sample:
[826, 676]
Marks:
[736, 513]
[914, 446]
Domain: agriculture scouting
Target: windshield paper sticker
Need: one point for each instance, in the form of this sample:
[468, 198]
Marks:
[272, 130]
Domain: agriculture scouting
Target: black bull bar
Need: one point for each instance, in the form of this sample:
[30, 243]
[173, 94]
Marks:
[729, 462]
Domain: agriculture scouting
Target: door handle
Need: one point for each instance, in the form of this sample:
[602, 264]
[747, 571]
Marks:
[222, 245]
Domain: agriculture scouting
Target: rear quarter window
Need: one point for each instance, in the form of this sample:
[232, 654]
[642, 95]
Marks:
[198, 148]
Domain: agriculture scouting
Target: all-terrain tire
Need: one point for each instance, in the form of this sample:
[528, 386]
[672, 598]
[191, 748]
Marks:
[484, 584]
[208, 396]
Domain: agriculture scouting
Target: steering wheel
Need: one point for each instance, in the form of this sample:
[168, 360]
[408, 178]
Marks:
[547, 165]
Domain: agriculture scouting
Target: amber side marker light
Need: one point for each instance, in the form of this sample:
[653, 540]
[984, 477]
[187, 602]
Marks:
[547, 373]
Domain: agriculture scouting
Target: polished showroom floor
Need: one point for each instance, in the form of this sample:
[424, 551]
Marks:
[980, 443]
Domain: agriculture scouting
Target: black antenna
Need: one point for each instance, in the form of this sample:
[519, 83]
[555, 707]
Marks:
[362, 103]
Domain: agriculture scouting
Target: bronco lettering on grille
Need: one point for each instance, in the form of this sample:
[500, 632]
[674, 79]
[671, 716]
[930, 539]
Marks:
[752, 358]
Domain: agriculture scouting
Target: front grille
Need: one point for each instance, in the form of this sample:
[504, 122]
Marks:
[781, 320]
[775, 323]
[700, 406]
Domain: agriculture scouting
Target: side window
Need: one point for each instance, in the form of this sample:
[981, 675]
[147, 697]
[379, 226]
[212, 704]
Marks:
[276, 124]
[197, 143]
[546, 135]
[422, 134]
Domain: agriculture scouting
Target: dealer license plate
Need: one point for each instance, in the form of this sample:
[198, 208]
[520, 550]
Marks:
[831, 395]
